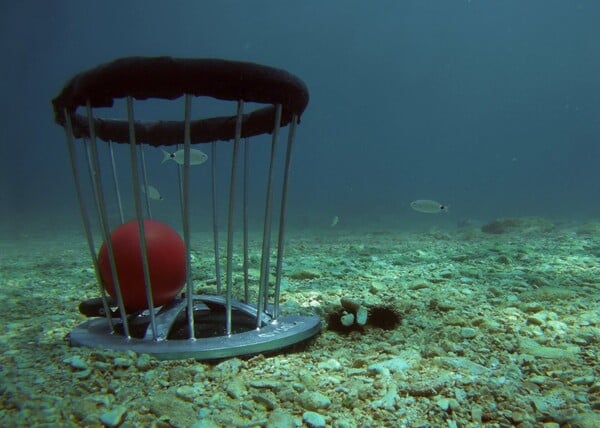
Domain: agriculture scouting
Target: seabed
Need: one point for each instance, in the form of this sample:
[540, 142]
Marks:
[495, 330]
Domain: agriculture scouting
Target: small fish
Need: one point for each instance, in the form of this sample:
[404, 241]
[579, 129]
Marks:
[428, 206]
[334, 221]
[152, 193]
[196, 156]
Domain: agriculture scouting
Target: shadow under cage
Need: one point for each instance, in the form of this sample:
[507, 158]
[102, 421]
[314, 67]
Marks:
[144, 268]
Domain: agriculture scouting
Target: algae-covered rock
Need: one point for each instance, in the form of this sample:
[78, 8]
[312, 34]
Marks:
[518, 224]
[591, 228]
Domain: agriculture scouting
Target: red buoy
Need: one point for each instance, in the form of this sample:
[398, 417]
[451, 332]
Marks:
[166, 261]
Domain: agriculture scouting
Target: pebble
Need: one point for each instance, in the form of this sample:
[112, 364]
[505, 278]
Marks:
[76, 362]
[143, 362]
[270, 403]
[330, 364]
[122, 362]
[468, 332]
[206, 423]
[236, 388]
[583, 380]
[114, 417]
[347, 319]
[393, 365]
[313, 420]
[187, 393]
[361, 315]
[281, 419]
[538, 379]
[314, 400]
[447, 404]
[82, 374]
[476, 414]
[265, 383]
[532, 347]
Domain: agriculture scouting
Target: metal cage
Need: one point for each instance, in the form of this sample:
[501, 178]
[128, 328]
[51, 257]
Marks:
[206, 326]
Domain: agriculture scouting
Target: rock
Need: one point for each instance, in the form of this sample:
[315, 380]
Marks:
[187, 393]
[361, 315]
[82, 374]
[517, 224]
[122, 362]
[143, 362]
[447, 404]
[583, 380]
[531, 347]
[330, 364]
[350, 304]
[313, 420]
[347, 319]
[229, 368]
[114, 417]
[304, 274]
[464, 364]
[206, 423]
[586, 420]
[393, 365]
[266, 399]
[236, 388]
[589, 229]
[344, 423]
[314, 400]
[476, 414]
[76, 362]
[178, 412]
[281, 419]
[468, 332]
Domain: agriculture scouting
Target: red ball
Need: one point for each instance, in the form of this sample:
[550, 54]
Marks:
[166, 261]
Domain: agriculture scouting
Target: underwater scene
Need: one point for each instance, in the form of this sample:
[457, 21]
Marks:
[300, 214]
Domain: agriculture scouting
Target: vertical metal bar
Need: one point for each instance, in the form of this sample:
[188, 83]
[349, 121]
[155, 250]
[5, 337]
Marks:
[116, 180]
[140, 217]
[145, 180]
[84, 215]
[103, 216]
[232, 185]
[266, 244]
[283, 215]
[213, 170]
[180, 180]
[186, 216]
[245, 221]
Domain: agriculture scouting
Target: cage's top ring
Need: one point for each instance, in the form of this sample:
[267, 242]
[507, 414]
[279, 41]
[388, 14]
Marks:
[170, 78]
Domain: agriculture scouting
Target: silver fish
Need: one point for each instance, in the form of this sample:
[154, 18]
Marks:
[197, 157]
[428, 206]
[152, 193]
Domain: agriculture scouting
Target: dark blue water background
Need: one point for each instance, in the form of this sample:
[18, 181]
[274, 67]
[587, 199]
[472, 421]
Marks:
[492, 107]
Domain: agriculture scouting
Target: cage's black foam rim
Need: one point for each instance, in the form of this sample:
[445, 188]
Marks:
[170, 78]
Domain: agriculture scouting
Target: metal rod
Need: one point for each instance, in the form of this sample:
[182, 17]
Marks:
[186, 216]
[145, 180]
[266, 244]
[180, 181]
[140, 217]
[85, 216]
[103, 217]
[245, 222]
[213, 170]
[116, 180]
[232, 185]
[283, 215]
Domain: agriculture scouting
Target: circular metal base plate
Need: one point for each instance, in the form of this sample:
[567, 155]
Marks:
[272, 336]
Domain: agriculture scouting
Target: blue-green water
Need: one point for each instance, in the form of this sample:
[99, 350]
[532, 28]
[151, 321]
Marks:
[489, 108]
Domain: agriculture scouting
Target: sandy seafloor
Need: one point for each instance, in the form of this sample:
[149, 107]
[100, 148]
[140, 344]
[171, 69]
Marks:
[495, 330]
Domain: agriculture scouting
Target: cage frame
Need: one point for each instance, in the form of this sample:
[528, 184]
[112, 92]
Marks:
[142, 78]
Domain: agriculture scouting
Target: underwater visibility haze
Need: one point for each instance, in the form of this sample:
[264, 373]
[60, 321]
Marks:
[443, 218]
